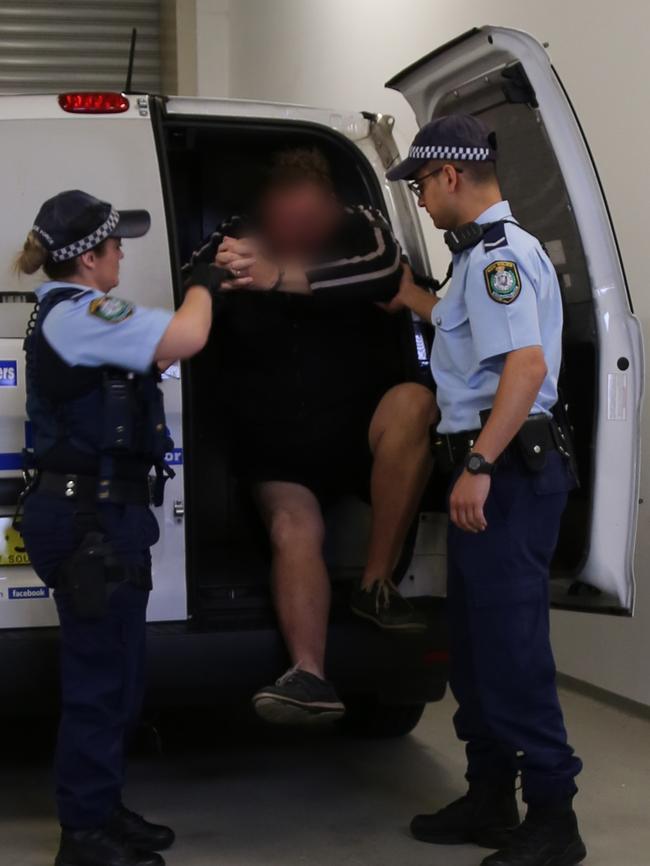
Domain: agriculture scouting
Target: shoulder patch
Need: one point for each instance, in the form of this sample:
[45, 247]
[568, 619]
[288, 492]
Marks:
[503, 282]
[113, 310]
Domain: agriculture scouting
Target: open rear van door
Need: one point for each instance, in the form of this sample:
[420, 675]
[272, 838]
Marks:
[47, 149]
[505, 76]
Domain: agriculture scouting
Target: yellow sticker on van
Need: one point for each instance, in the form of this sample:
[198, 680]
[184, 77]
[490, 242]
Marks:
[12, 546]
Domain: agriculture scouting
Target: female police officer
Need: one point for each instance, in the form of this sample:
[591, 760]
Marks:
[98, 427]
[496, 360]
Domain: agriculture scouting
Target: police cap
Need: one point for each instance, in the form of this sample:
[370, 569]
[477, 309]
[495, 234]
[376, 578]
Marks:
[458, 137]
[73, 222]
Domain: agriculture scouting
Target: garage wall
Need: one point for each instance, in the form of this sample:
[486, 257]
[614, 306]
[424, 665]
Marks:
[198, 60]
[339, 54]
[47, 45]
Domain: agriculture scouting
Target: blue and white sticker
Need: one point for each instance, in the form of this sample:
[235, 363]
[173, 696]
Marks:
[175, 457]
[28, 592]
[8, 374]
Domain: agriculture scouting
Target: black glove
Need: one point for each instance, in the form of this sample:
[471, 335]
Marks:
[204, 274]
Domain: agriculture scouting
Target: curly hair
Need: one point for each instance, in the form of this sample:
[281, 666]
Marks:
[296, 166]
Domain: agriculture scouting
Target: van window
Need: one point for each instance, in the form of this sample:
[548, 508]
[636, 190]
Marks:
[532, 181]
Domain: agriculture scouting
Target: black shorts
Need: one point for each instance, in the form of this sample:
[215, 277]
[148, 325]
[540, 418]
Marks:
[327, 452]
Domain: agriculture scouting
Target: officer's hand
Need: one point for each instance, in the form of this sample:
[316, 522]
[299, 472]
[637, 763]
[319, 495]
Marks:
[406, 286]
[467, 500]
[395, 305]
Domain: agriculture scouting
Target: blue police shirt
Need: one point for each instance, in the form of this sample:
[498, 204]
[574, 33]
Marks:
[97, 329]
[504, 295]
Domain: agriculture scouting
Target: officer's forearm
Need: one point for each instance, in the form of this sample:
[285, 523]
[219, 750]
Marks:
[418, 300]
[523, 375]
[189, 330]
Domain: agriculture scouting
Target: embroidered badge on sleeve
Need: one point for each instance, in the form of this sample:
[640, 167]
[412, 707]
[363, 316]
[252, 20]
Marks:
[113, 310]
[503, 282]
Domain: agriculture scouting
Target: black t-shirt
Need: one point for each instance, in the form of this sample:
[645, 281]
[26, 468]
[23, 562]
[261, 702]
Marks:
[283, 356]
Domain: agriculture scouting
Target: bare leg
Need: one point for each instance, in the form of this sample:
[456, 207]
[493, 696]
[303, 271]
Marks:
[399, 440]
[301, 585]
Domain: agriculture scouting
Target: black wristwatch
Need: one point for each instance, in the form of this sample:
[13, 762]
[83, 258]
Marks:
[476, 464]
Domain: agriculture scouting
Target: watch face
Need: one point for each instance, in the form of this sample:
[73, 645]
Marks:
[474, 463]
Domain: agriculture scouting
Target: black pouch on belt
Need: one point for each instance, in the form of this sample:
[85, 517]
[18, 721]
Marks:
[534, 441]
[83, 576]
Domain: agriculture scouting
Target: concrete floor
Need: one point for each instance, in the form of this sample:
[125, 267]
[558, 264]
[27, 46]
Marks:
[246, 796]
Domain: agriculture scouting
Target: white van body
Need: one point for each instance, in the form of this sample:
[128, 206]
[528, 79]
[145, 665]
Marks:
[124, 158]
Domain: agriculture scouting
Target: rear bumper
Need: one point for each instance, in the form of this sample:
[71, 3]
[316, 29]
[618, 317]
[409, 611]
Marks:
[192, 666]
[213, 667]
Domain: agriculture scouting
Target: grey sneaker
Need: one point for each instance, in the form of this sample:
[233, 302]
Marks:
[382, 604]
[298, 698]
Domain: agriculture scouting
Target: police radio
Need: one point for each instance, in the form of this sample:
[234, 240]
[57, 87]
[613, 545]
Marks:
[470, 234]
[466, 236]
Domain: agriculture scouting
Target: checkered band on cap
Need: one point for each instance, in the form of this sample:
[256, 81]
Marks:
[430, 151]
[87, 243]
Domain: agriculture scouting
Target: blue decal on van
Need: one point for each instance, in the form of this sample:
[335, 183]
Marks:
[11, 461]
[8, 374]
[15, 460]
[28, 592]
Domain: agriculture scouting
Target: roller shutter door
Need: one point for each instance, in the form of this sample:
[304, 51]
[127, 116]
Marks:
[48, 46]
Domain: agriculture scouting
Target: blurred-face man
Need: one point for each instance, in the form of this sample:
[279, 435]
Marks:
[319, 405]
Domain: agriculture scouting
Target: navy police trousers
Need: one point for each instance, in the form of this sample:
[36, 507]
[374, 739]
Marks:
[502, 668]
[102, 660]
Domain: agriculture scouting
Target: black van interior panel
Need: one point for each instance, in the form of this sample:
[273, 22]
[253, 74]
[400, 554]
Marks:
[215, 168]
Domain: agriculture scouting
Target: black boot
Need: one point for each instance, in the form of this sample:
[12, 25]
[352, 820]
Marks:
[133, 828]
[485, 816]
[99, 848]
[547, 838]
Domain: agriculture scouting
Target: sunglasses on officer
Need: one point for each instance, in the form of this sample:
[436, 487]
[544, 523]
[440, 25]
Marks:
[417, 186]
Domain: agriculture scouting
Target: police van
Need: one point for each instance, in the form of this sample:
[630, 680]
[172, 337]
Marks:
[189, 162]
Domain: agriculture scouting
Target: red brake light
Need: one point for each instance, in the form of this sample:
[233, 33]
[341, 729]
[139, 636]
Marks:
[94, 103]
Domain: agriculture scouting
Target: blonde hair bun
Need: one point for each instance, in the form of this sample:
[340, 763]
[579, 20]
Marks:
[32, 257]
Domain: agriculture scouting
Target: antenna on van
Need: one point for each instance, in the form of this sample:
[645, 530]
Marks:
[129, 73]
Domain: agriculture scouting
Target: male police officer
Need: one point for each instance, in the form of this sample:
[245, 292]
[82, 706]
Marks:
[98, 426]
[496, 359]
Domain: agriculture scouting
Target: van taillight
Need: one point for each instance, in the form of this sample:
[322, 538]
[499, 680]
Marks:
[94, 103]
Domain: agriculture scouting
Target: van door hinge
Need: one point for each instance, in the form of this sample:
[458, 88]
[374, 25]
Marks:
[179, 510]
[517, 89]
[143, 106]
[381, 134]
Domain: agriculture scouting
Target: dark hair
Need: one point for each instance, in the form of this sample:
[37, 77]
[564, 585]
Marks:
[34, 256]
[480, 172]
[297, 166]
